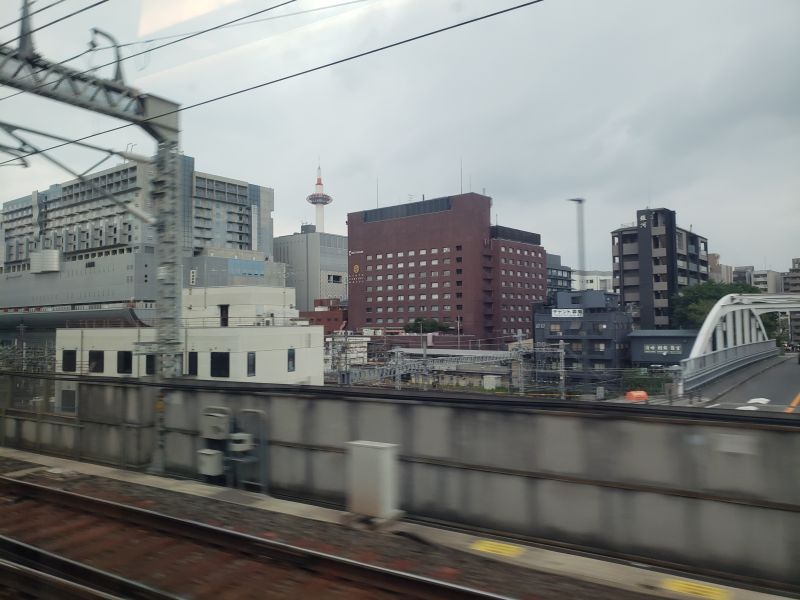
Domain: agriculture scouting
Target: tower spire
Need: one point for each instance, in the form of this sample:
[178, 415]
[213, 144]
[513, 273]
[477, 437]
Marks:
[318, 187]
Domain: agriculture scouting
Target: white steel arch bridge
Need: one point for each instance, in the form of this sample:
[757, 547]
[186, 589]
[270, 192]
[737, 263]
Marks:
[733, 336]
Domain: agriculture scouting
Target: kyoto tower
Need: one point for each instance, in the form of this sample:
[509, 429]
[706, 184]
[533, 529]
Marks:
[319, 199]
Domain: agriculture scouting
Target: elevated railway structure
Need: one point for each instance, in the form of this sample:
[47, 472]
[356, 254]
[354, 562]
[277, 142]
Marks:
[733, 336]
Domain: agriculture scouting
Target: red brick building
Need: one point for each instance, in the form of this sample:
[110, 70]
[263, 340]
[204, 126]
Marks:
[327, 312]
[443, 259]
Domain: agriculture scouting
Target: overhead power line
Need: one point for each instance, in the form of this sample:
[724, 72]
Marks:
[186, 37]
[60, 19]
[294, 75]
[51, 5]
[254, 21]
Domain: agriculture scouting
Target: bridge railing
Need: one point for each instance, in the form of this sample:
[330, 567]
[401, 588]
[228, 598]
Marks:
[704, 369]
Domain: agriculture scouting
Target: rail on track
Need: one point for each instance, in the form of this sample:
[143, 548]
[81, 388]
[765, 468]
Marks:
[33, 559]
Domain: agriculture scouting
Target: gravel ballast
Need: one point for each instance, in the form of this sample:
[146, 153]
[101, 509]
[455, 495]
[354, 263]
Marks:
[374, 547]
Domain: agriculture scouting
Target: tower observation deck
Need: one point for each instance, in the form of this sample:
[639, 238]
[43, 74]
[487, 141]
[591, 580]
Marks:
[319, 199]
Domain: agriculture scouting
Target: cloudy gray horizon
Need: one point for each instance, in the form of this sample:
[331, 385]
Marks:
[692, 106]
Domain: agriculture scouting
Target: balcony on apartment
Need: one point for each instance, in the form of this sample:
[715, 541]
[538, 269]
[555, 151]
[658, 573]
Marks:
[659, 252]
[630, 248]
[631, 265]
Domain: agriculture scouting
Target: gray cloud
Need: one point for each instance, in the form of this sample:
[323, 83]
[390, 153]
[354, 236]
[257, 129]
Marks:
[688, 105]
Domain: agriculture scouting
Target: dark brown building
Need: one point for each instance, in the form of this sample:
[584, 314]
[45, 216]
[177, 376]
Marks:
[443, 259]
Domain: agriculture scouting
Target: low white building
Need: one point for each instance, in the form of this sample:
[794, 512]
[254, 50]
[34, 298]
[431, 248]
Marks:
[242, 333]
[292, 355]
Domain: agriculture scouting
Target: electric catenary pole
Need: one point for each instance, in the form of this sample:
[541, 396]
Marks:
[24, 69]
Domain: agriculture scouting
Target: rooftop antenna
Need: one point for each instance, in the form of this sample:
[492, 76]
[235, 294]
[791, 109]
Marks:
[461, 174]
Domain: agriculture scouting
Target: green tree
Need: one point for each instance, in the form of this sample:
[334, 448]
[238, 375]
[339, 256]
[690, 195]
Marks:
[692, 304]
[420, 325]
[770, 321]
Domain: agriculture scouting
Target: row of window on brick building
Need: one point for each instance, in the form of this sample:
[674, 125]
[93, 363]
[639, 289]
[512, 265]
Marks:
[446, 261]
[445, 250]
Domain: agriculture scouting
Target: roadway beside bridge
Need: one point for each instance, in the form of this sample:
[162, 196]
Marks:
[770, 385]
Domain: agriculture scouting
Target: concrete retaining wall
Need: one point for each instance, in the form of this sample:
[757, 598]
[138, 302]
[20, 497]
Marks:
[666, 484]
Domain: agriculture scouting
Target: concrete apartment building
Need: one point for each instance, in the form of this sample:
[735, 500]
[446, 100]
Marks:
[602, 281]
[717, 271]
[743, 274]
[593, 328]
[316, 264]
[559, 277]
[768, 281]
[654, 259]
[442, 259]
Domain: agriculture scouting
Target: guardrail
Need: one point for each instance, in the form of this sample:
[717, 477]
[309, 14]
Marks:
[705, 369]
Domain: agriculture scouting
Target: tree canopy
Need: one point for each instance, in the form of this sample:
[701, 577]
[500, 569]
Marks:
[692, 304]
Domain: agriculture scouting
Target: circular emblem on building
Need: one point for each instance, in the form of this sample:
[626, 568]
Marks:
[356, 268]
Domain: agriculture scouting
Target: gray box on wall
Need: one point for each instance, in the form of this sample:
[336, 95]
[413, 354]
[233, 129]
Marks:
[372, 479]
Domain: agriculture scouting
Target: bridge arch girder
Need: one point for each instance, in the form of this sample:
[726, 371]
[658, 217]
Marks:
[735, 320]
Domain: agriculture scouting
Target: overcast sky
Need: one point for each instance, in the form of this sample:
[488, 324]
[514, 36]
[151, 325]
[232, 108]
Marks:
[687, 104]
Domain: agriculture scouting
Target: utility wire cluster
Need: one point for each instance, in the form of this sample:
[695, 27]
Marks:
[290, 76]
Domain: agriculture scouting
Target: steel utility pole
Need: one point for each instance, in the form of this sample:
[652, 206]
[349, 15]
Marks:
[562, 377]
[520, 355]
[23, 69]
[581, 240]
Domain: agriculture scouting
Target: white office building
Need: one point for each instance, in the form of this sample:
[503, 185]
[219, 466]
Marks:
[593, 280]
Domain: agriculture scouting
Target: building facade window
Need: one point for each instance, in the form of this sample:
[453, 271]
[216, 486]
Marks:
[69, 361]
[125, 362]
[96, 361]
[220, 364]
[192, 363]
[251, 364]
[290, 360]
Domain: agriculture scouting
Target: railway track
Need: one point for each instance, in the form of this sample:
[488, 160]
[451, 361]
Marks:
[57, 544]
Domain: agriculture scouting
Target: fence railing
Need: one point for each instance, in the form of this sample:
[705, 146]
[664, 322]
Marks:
[705, 369]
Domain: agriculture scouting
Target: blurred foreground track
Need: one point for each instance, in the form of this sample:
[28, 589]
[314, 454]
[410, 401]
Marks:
[83, 547]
